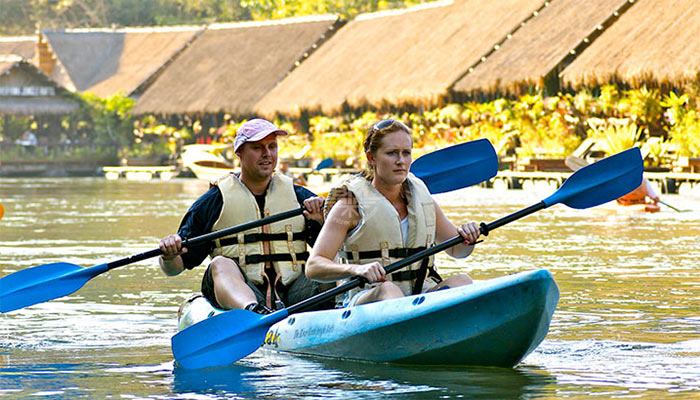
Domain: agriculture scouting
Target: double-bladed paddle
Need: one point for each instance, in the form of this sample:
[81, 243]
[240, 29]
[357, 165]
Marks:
[457, 166]
[230, 336]
[50, 281]
[325, 163]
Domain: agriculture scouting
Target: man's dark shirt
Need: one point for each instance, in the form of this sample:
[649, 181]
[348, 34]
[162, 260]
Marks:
[204, 212]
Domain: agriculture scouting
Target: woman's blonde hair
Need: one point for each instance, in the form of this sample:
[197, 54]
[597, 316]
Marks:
[375, 135]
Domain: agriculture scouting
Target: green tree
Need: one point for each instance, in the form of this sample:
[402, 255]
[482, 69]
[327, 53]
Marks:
[107, 120]
[16, 17]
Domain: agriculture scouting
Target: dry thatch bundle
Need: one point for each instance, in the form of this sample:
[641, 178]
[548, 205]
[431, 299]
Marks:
[108, 61]
[408, 56]
[230, 67]
[653, 43]
[527, 56]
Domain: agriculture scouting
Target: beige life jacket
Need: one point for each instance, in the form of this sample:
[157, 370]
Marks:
[281, 243]
[378, 235]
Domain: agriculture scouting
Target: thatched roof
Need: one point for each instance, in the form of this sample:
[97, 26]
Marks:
[406, 56]
[23, 46]
[25, 90]
[525, 57]
[654, 41]
[109, 61]
[231, 66]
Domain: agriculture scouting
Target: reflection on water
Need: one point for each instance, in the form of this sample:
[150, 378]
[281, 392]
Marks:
[259, 375]
[620, 367]
[627, 325]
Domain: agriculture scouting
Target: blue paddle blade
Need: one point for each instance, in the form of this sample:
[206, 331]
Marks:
[222, 339]
[43, 283]
[601, 182]
[457, 166]
[326, 163]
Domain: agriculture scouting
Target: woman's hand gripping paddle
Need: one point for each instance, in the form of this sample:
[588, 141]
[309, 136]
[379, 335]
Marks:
[50, 281]
[230, 336]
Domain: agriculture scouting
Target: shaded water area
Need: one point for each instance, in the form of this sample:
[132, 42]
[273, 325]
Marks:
[627, 324]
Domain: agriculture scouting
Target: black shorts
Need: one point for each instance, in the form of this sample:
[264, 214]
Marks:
[299, 290]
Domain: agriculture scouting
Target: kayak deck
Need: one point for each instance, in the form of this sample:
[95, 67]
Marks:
[496, 322]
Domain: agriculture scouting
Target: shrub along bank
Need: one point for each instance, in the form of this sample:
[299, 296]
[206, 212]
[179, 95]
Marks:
[529, 126]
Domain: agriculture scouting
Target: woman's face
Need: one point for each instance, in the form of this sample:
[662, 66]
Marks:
[392, 160]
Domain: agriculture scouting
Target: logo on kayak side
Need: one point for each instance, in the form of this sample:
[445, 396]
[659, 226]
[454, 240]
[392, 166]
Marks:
[313, 331]
[272, 338]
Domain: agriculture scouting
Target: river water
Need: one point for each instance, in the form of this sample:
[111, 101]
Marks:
[627, 324]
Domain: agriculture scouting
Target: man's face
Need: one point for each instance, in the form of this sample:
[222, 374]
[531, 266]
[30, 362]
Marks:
[259, 159]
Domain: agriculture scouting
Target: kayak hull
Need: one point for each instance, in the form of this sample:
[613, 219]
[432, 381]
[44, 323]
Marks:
[496, 322]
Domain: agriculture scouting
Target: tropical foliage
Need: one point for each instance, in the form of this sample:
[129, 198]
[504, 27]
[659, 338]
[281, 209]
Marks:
[665, 126]
[531, 126]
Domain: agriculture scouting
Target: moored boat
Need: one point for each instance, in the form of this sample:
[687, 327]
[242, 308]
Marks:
[206, 160]
[495, 322]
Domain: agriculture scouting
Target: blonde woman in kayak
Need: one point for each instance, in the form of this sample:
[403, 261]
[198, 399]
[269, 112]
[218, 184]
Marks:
[381, 216]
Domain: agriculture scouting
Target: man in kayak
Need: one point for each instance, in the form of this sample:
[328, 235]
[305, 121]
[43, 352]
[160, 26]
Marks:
[381, 216]
[639, 195]
[262, 269]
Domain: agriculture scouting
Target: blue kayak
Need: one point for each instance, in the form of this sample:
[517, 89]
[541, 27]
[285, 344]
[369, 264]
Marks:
[495, 322]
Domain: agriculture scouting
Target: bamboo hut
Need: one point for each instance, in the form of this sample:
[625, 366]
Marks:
[26, 90]
[108, 61]
[232, 66]
[399, 57]
[654, 43]
[524, 59]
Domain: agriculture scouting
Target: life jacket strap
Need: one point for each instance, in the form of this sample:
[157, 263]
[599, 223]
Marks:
[356, 256]
[261, 258]
[262, 237]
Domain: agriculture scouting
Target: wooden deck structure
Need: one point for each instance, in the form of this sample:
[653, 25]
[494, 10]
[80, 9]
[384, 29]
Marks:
[667, 182]
[141, 173]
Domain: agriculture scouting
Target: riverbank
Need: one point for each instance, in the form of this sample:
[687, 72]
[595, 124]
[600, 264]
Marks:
[510, 176]
[52, 168]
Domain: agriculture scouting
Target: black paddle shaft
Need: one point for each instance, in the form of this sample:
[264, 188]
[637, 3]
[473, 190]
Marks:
[209, 237]
[486, 228]
[355, 282]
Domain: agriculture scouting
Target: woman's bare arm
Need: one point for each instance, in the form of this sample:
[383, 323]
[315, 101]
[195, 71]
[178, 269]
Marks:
[342, 218]
[445, 229]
